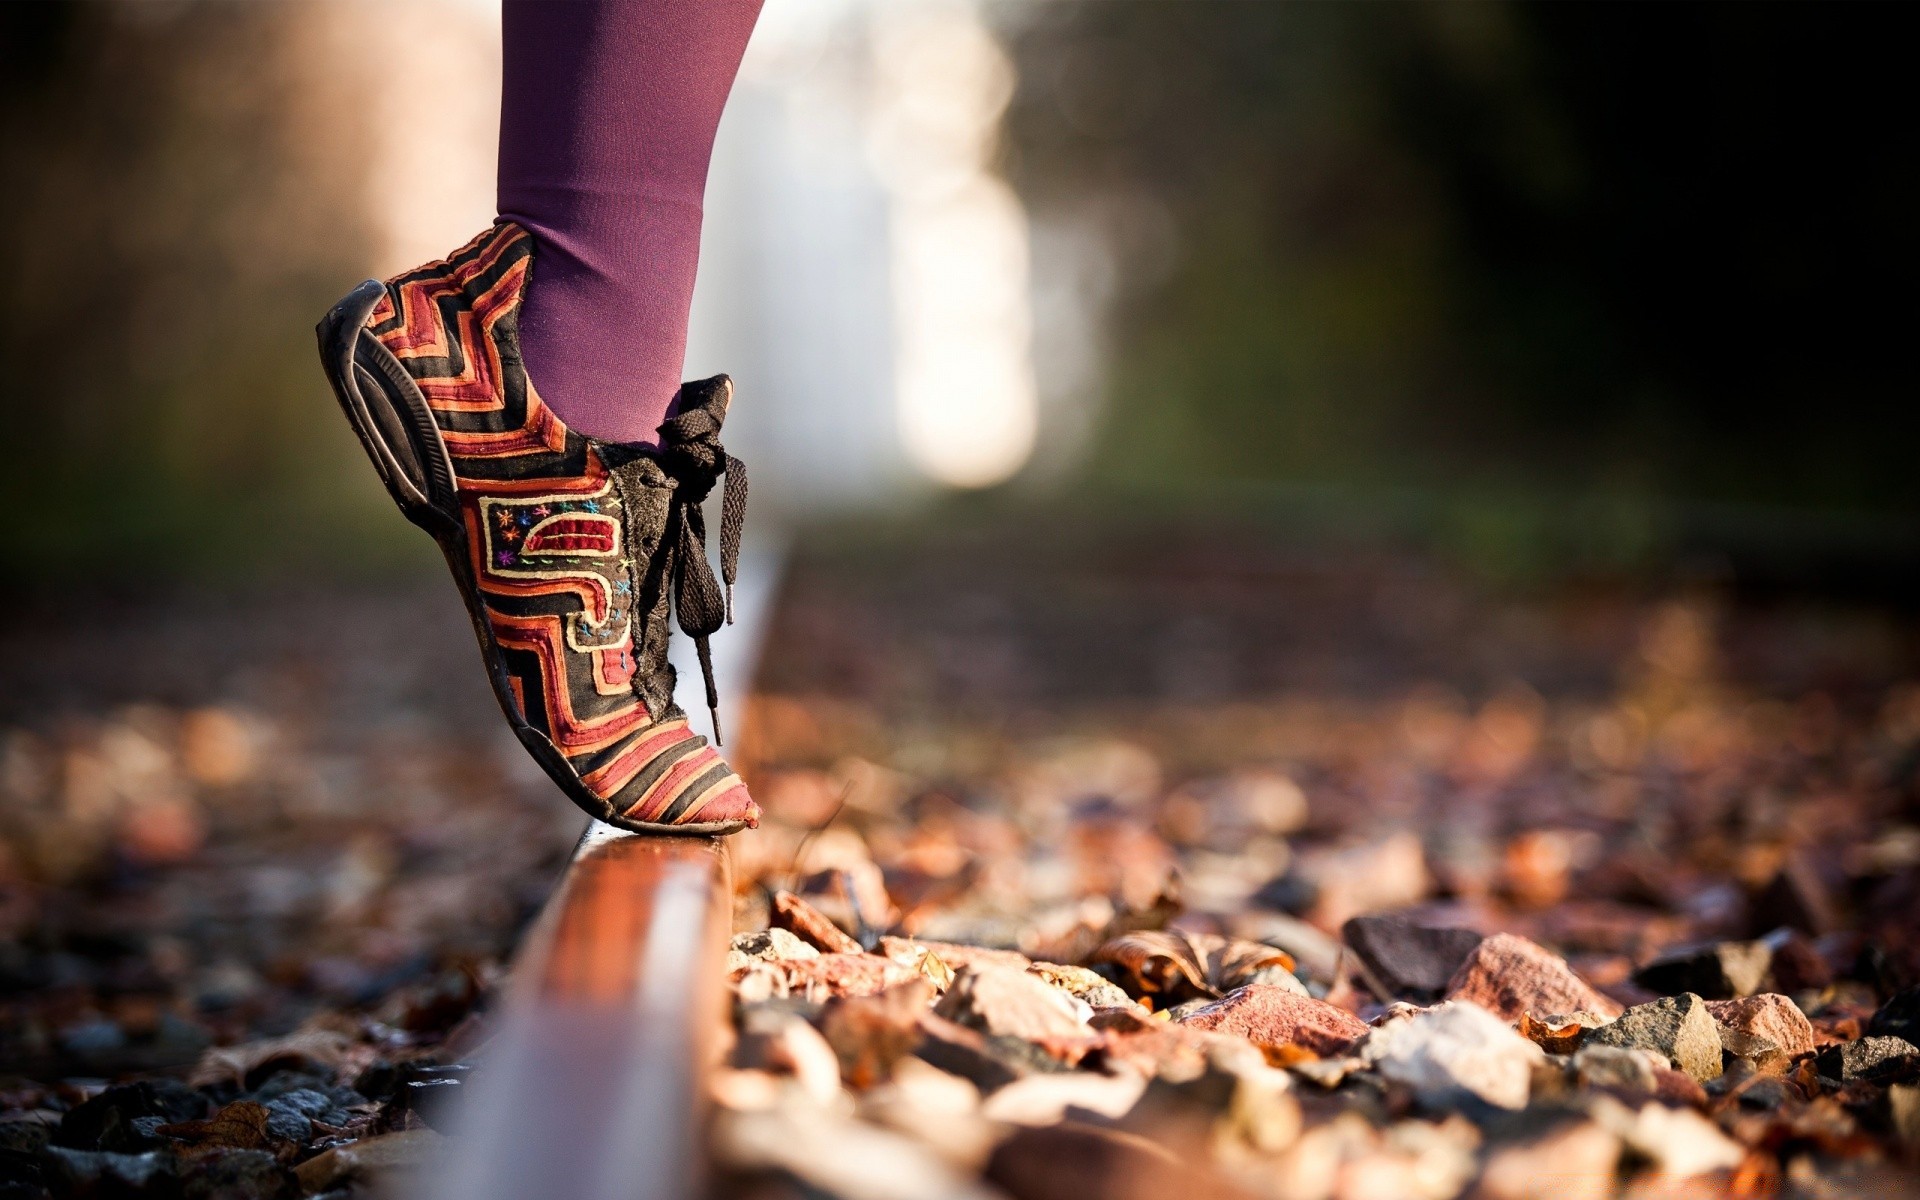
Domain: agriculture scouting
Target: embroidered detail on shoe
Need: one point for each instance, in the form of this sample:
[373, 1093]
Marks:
[582, 533]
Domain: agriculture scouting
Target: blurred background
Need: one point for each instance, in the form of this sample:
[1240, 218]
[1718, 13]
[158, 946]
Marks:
[1494, 422]
[1541, 285]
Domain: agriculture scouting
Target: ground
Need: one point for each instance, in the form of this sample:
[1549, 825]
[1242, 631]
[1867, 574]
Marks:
[276, 847]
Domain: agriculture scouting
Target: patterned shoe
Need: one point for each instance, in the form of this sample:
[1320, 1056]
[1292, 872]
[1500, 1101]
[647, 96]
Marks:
[566, 549]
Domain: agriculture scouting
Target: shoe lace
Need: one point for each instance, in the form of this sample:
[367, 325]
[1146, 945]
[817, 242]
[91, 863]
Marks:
[691, 455]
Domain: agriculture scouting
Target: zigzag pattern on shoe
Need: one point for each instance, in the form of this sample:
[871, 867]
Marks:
[557, 548]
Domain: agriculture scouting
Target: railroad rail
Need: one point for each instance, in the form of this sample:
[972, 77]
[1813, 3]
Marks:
[594, 1088]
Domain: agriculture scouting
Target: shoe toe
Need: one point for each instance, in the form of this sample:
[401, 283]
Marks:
[732, 805]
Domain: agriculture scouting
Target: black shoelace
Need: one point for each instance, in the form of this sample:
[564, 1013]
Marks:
[691, 455]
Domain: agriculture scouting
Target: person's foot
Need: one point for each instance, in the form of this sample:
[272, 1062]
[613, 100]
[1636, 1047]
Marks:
[567, 550]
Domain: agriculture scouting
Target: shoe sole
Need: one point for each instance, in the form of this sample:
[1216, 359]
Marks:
[397, 430]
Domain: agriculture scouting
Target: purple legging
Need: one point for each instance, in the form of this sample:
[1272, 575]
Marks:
[607, 116]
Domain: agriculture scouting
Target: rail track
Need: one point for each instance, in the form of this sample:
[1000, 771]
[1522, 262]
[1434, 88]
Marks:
[593, 1089]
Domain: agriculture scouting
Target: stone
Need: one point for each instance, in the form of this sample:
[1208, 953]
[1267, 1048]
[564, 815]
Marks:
[1798, 966]
[1570, 1160]
[810, 925]
[230, 1174]
[1316, 956]
[1898, 1017]
[1046, 1099]
[1679, 1141]
[1164, 1049]
[1271, 1017]
[1764, 1053]
[1677, 1027]
[837, 1155]
[79, 1173]
[873, 1034]
[369, 1158]
[1074, 1161]
[1008, 1003]
[1409, 959]
[938, 1110]
[820, 979]
[1329, 884]
[1235, 1097]
[1509, 975]
[1618, 1069]
[1768, 1015]
[768, 945]
[1903, 1113]
[967, 1053]
[106, 1121]
[1765, 1093]
[1797, 898]
[1094, 990]
[1722, 971]
[1455, 1051]
[909, 951]
[780, 1042]
[1677, 1089]
[1874, 1059]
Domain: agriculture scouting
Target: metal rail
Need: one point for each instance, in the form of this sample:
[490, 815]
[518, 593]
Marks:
[593, 1089]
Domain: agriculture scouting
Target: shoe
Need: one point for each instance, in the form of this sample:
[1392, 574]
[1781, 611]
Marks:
[569, 551]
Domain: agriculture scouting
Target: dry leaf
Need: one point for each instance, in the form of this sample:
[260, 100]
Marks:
[1175, 966]
[810, 925]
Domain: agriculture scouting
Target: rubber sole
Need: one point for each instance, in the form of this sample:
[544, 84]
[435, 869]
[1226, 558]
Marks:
[397, 430]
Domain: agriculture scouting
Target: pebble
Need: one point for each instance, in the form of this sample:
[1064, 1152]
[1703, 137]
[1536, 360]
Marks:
[1722, 971]
[1768, 1015]
[1095, 990]
[1903, 1113]
[873, 1034]
[1677, 1027]
[1047, 1099]
[1680, 1142]
[1167, 1050]
[965, 1052]
[939, 1110]
[1316, 956]
[831, 975]
[1008, 1003]
[837, 1155]
[1617, 1068]
[909, 952]
[1409, 959]
[783, 1043]
[768, 945]
[1508, 975]
[1571, 1160]
[1898, 1017]
[1764, 1053]
[1074, 1161]
[1874, 1059]
[103, 1173]
[1455, 1051]
[1271, 1017]
[368, 1158]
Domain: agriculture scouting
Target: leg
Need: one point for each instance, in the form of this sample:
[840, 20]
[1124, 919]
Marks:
[573, 548]
[608, 113]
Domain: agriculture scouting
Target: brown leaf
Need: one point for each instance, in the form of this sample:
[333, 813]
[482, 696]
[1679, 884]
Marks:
[1554, 1039]
[810, 925]
[1175, 966]
[872, 1033]
[321, 1051]
[239, 1126]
